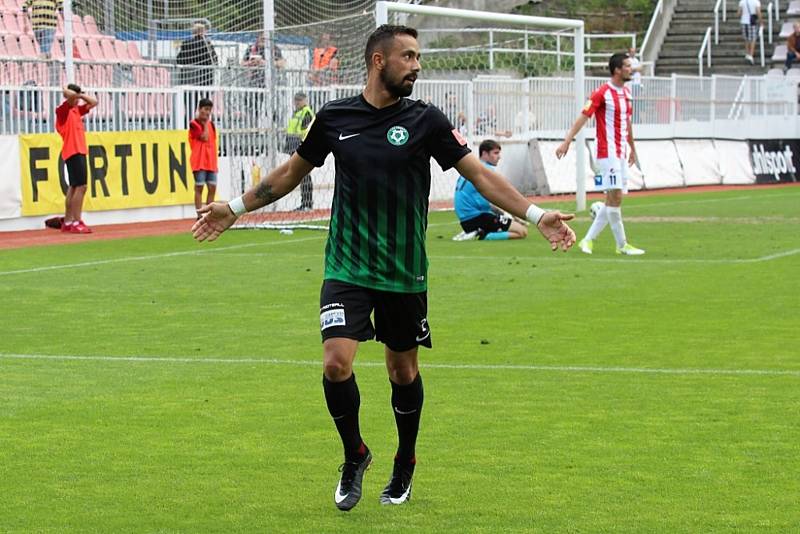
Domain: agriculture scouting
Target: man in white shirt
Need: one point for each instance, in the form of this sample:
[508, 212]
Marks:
[636, 67]
[750, 17]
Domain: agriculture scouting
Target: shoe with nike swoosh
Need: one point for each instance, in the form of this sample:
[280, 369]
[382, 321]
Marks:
[348, 491]
[398, 490]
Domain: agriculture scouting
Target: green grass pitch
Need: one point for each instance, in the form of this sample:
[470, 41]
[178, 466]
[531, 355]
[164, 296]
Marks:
[160, 385]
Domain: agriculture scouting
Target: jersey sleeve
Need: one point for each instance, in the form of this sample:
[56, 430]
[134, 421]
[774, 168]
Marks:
[445, 143]
[315, 148]
[594, 103]
[62, 111]
[84, 109]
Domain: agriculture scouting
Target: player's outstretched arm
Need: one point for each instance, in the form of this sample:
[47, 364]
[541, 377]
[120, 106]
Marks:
[563, 148]
[219, 216]
[499, 191]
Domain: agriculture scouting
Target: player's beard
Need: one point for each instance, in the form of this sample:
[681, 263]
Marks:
[397, 88]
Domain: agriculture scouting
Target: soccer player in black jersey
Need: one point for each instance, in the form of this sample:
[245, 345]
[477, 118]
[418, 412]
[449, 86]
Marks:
[375, 257]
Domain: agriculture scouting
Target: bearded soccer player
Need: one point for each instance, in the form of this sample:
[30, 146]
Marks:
[611, 107]
[375, 257]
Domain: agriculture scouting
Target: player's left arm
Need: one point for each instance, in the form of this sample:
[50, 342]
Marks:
[632, 151]
[89, 101]
[502, 194]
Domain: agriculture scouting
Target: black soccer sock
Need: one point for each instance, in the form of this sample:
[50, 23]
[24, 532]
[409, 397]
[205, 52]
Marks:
[407, 407]
[343, 402]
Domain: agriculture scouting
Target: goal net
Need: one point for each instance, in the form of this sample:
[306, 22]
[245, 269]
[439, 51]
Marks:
[253, 58]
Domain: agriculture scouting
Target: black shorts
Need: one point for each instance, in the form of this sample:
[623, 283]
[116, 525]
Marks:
[76, 170]
[487, 223]
[401, 321]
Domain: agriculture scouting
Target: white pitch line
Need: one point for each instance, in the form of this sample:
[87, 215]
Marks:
[454, 366]
[151, 256]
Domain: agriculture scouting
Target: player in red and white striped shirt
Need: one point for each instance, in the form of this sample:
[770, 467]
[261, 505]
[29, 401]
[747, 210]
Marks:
[611, 107]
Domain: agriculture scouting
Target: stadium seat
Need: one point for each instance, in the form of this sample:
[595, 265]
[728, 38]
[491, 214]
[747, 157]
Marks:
[10, 74]
[109, 52]
[28, 46]
[91, 25]
[77, 27]
[57, 50]
[36, 73]
[95, 49]
[3, 51]
[80, 50]
[793, 73]
[121, 48]
[12, 45]
[12, 5]
[134, 54]
[775, 73]
[780, 54]
[794, 8]
[786, 30]
[11, 24]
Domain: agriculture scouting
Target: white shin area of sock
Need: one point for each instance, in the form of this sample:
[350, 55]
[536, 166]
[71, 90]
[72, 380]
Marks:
[615, 221]
[599, 223]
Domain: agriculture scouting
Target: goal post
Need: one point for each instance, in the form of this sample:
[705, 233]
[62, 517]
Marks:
[384, 10]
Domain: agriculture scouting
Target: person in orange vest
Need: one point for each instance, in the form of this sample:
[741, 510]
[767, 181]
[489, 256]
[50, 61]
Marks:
[324, 63]
[203, 144]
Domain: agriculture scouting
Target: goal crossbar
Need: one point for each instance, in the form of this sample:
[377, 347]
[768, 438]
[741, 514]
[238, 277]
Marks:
[383, 8]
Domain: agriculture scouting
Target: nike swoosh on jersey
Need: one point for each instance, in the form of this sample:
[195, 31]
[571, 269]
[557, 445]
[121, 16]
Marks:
[342, 137]
[338, 497]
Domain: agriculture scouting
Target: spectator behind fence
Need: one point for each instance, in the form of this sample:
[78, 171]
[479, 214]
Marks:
[44, 19]
[254, 58]
[324, 63]
[636, 67]
[486, 124]
[750, 17]
[791, 48]
[199, 52]
[296, 131]
[204, 162]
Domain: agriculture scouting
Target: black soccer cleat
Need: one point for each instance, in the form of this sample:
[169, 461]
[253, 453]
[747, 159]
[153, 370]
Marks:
[398, 490]
[348, 491]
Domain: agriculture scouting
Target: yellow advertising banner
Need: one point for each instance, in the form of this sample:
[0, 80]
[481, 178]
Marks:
[125, 170]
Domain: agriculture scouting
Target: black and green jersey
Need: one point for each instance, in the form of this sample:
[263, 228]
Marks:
[383, 179]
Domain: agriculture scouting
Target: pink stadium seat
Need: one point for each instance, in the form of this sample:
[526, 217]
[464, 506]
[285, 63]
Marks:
[11, 5]
[79, 46]
[10, 74]
[57, 50]
[133, 52]
[12, 45]
[109, 52]
[35, 72]
[91, 25]
[11, 24]
[77, 27]
[95, 50]
[29, 47]
[121, 48]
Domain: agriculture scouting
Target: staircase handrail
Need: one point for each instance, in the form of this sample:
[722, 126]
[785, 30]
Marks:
[656, 14]
[724, 4]
[705, 48]
[761, 40]
[769, 17]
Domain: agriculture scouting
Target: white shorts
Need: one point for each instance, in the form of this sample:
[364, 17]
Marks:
[612, 174]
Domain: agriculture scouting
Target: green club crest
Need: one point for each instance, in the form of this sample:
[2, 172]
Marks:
[397, 135]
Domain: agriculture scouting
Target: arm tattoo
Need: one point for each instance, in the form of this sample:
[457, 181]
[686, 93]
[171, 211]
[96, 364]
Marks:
[264, 193]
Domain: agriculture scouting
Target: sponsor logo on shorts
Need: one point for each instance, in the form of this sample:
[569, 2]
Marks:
[332, 315]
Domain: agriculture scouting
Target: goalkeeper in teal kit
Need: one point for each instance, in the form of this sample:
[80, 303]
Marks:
[478, 218]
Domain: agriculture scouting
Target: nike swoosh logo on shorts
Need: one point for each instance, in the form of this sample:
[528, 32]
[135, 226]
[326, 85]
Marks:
[342, 137]
[423, 338]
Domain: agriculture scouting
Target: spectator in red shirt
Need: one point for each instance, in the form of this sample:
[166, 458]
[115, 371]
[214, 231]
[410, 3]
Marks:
[69, 124]
[203, 144]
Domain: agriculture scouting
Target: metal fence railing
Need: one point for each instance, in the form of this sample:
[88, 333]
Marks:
[481, 107]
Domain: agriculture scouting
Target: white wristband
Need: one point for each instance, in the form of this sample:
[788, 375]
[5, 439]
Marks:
[534, 213]
[237, 206]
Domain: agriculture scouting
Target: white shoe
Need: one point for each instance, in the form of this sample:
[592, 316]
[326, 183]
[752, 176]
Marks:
[586, 246]
[630, 250]
[466, 236]
[749, 58]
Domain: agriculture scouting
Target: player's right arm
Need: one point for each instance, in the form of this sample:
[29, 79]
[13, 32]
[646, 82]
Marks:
[219, 216]
[595, 101]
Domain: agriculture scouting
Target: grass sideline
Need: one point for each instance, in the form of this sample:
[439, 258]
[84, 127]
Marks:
[564, 392]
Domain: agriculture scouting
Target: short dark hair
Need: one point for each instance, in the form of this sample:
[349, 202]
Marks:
[488, 146]
[74, 88]
[205, 103]
[300, 94]
[616, 62]
[381, 35]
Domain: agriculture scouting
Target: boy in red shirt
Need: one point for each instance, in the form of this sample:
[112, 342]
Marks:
[203, 144]
[69, 124]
